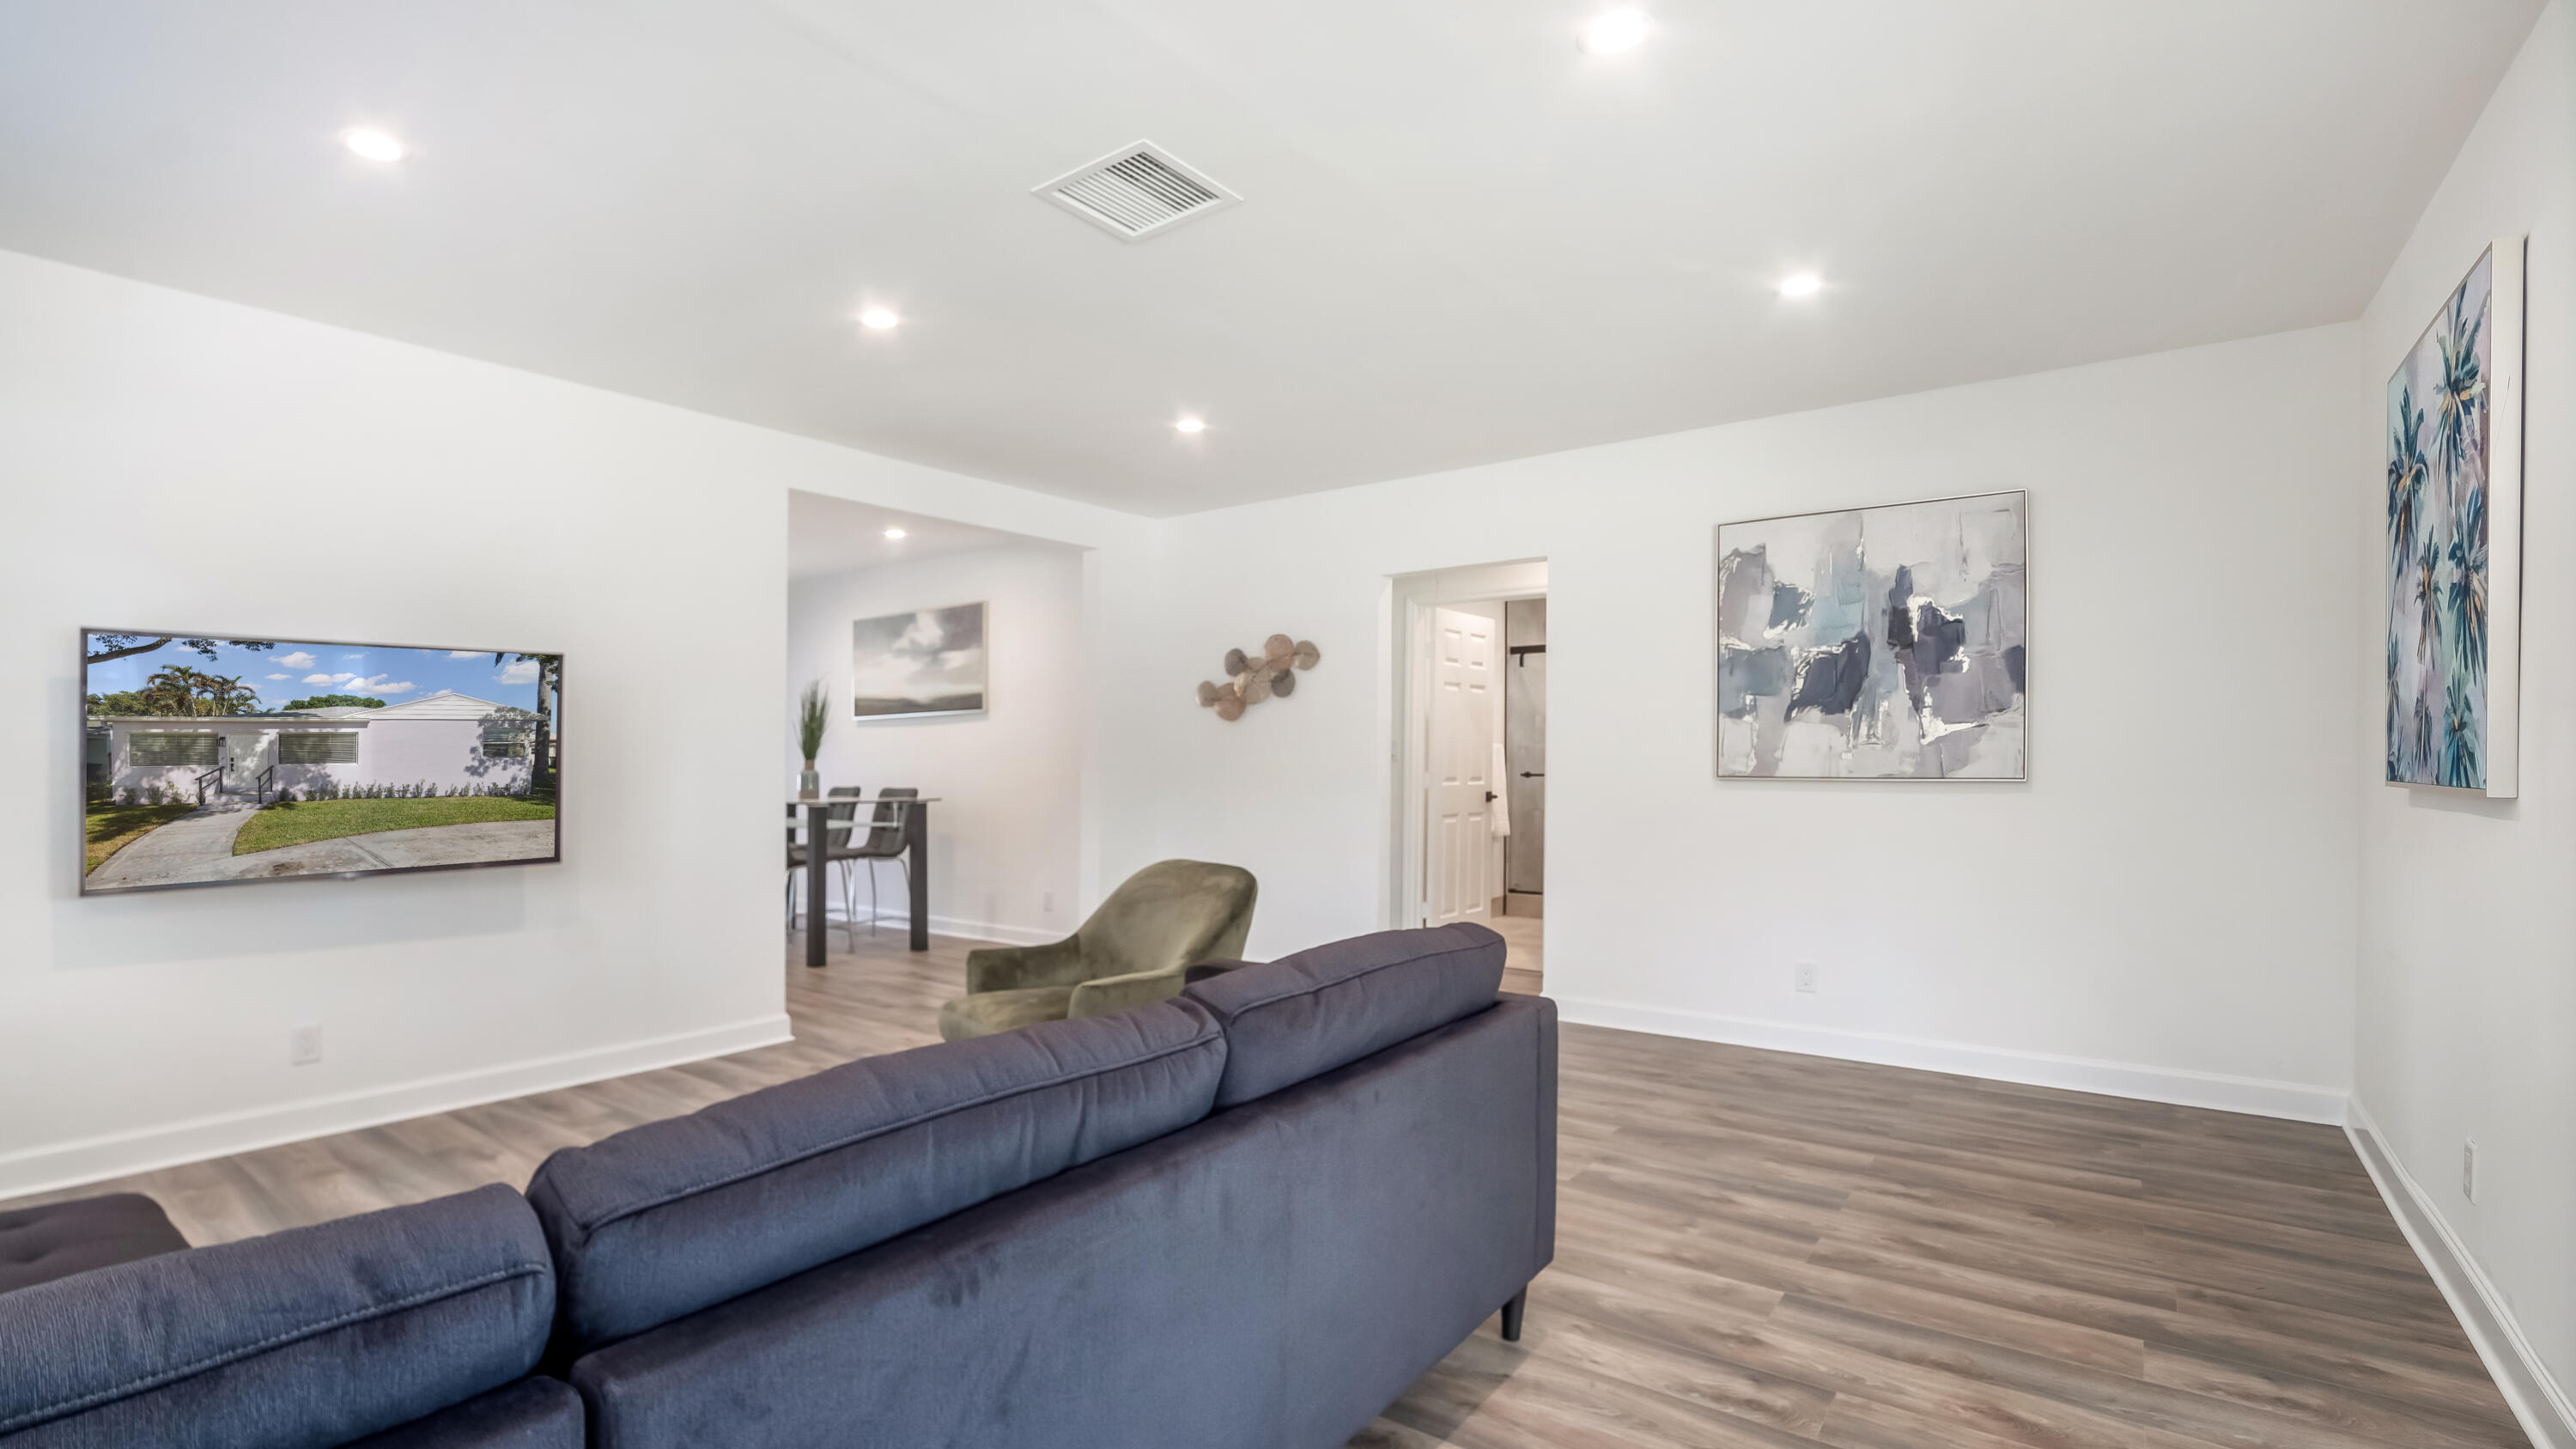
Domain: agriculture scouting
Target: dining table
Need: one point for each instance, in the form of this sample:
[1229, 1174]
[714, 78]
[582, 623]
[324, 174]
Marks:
[912, 817]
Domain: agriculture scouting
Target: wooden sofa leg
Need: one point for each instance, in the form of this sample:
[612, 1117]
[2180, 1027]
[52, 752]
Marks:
[1512, 1316]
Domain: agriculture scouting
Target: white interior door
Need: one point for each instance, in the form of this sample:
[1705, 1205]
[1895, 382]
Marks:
[1460, 870]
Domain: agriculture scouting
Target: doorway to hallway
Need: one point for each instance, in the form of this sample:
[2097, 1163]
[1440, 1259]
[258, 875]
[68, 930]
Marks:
[1471, 777]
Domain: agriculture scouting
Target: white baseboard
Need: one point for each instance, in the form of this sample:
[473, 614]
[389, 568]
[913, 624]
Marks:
[2529, 1390]
[993, 931]
[70, 1164]
[2296, 1101]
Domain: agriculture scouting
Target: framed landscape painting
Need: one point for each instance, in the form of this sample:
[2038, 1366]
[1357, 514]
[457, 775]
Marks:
[1875, 643]
[925, 663]
[2454, 535]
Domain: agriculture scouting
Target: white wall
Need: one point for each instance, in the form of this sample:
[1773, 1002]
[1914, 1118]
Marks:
[1006, 836]
[164, 455]
[2467, 992]
[2166, 908]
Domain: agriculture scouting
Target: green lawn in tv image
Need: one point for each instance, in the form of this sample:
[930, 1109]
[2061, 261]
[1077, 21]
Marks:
[214, 759]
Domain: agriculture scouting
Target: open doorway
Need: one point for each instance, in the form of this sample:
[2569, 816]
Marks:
[1471, 802]
[948, 660]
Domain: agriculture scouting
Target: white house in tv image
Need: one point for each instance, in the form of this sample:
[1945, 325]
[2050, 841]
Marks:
[441, 780]
[443, 744]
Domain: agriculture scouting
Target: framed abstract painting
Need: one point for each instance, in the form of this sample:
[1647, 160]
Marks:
[1876, 643]
[2454, 539]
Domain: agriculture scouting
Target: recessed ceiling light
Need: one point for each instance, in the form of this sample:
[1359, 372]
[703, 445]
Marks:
[880, 319]
[1613, 31]
[1191, 425]
[1801, 284]
[374, 145]
[894, 533]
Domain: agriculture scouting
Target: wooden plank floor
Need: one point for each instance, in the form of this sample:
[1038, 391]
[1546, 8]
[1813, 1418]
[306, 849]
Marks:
[1754, 1249]
[1525, 952]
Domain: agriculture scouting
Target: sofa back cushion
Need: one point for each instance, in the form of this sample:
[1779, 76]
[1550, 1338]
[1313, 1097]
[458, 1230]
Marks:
[1303, 1015]
[299, 1340]
[675, 1216]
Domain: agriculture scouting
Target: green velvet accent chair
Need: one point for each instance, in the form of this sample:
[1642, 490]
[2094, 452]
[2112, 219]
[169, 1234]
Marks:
[1136, 948]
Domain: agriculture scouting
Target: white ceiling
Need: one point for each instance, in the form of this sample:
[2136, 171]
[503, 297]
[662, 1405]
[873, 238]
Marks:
[837, 536]
[1462, 239]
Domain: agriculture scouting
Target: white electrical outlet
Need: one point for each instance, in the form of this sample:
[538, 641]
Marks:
[2469, 1171]
[1807, 976]
[303, 1045]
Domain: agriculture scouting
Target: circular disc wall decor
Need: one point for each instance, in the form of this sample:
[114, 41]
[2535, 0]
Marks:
[1251, 678]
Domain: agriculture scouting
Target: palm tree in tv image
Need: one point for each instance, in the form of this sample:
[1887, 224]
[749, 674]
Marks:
[541, 750]
[178, 689]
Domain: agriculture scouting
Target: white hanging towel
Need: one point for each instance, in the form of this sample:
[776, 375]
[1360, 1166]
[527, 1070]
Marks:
[1500, 816]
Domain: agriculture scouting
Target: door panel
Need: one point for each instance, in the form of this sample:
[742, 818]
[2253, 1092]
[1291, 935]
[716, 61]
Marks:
[1461, 878]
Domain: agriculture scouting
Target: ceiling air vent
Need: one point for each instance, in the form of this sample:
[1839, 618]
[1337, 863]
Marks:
[1136, 191]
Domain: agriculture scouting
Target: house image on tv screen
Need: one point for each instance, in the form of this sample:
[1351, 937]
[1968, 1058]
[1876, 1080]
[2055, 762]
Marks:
[446, 744]
[210, 760]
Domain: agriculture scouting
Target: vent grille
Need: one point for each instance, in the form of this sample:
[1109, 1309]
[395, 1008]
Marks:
[1137, 191]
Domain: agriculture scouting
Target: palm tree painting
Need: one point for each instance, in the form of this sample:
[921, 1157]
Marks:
[2443, 597]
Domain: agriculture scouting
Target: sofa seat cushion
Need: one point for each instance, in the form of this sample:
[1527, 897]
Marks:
[310, 1337]
[987, 1012]
[675, 1216]
[40, 1244]
[1303, 1015]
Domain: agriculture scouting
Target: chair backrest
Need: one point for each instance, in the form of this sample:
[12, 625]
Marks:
[1170, 915]
[841, 838]
[796, 821]
[886, 835]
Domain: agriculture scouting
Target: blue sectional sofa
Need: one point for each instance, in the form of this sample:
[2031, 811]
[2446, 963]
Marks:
[1246, 1216]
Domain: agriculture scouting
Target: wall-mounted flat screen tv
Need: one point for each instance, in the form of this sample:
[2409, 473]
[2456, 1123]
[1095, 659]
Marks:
[212, 760]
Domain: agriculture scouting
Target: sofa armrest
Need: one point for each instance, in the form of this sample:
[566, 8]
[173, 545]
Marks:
[1010, 968]
[1209, 970]
[1117, 993]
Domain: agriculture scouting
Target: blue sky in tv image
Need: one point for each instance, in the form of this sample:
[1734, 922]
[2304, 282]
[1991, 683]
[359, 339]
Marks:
[288, 671]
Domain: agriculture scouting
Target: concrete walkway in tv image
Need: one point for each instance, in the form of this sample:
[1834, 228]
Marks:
[199, 847]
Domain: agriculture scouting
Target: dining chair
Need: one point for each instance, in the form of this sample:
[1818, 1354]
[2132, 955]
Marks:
[885, 841]
[834, 852]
